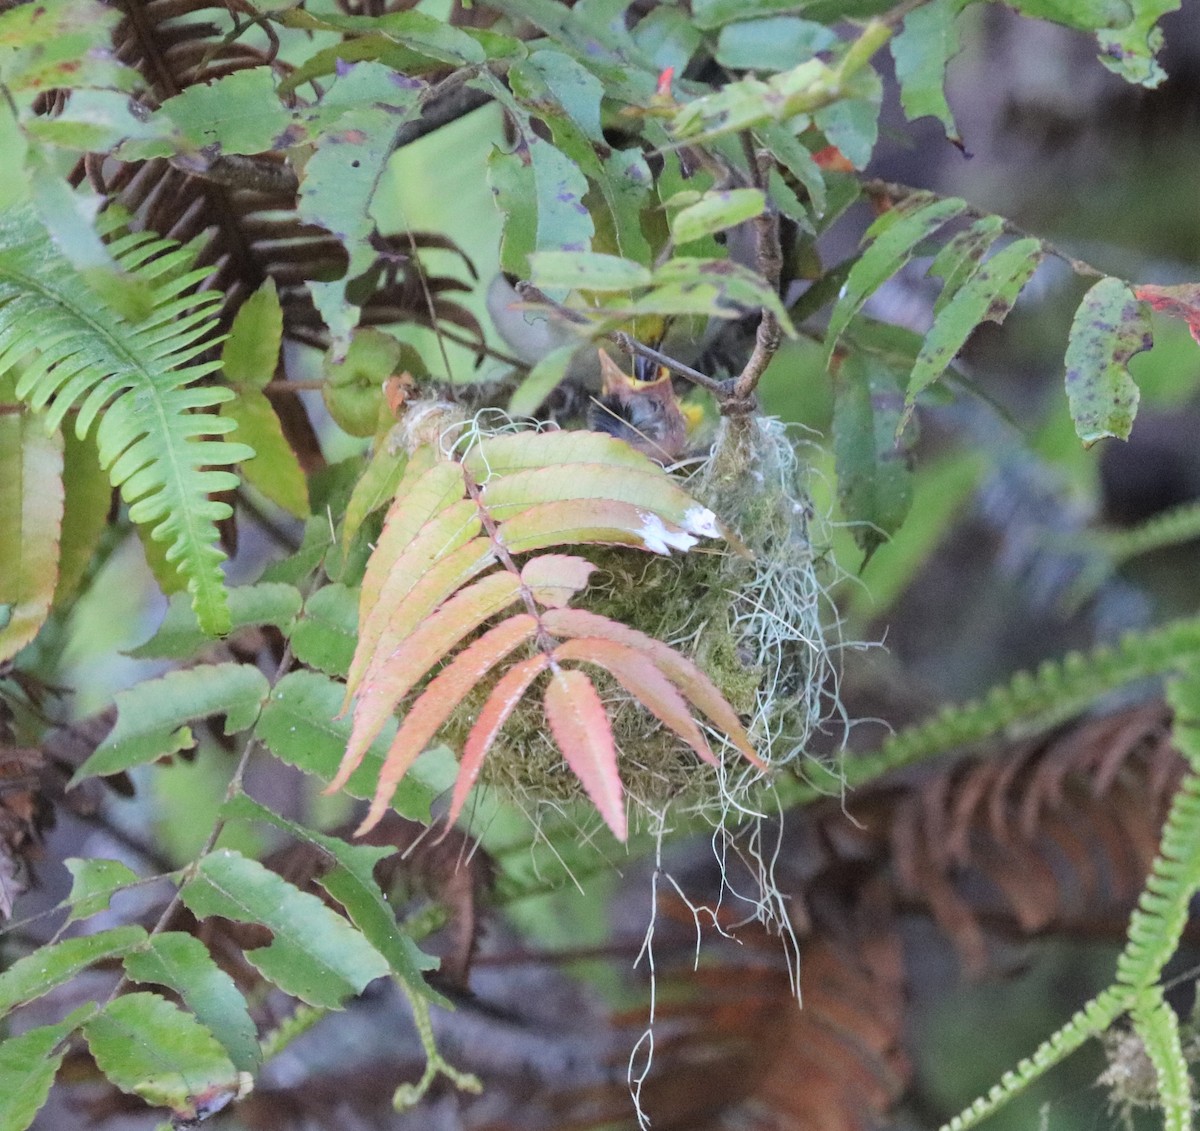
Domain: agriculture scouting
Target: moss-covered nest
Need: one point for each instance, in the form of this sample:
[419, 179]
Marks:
[748, 612]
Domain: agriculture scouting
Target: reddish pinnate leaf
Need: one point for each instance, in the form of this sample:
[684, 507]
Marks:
[508, 692]
[452, 519]
[554, 579]
[422, 594]
[437, 702]
[581, 731]
[1182, 301]
[691, 681]
[401, 671]
[640, 676]
[454, 526]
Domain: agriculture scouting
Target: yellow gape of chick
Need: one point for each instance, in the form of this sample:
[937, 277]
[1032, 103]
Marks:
[645, 413]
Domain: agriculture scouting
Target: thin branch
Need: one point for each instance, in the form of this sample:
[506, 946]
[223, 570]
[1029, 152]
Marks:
[769, 256]
[627, 342]
[232, 790]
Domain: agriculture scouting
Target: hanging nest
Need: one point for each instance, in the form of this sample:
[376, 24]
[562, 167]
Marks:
[747, 612]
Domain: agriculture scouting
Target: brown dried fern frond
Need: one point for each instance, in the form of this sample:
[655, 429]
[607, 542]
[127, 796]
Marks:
[243, 209]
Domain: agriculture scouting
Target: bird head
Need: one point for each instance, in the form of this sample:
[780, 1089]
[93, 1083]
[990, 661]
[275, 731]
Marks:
[643, 410]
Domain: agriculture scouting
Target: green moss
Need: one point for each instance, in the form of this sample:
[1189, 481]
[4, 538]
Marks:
[747, 614]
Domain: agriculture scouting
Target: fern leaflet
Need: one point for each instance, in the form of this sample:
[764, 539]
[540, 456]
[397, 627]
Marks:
[157, 439]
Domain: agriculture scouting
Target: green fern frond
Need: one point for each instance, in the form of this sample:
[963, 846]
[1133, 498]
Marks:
[1178, 525]
[1089, 1022]
[157, 440]
[1157, 923]
[1031, 702]
[1158, 1026]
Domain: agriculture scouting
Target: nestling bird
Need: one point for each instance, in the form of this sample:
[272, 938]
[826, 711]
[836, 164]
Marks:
[643, 412]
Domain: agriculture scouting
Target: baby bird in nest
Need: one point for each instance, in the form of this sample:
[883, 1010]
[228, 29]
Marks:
[642, 410]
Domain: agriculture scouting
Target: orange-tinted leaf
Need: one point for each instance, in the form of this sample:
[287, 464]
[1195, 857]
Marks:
[403, 669]
[697, 688]
[582, 732]
[555, 578]
[602, 521]
[1182, 301]
[420, 527]
[422, 595]
[642, 678]
[401, 524]
[509, 691]
[436, 703]
[833, 158]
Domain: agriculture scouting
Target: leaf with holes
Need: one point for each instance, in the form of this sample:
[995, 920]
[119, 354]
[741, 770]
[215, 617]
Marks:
[1109, 328]
[315, 954]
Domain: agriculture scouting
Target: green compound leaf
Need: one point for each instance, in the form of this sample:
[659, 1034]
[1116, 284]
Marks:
[351, 882]
[93, 884]
[249, 359]
[988, 295]
[85, 510]
[28, 1065]
[299, 724]
[327, 633]
[55, 963]
[179, 636]
[927, 43]
[315, 954]
[774, 43]
[342, 175]
[150, 1048]
[874, 480]
[374, 489]
[1131, 51]
[251, 351]
[961, 256]
[895, 236]
[541, 195]
[852, 122]
[1109, 328]
[152, 717]
[62, 43]
[31, 513]
[541, 381]
[182, 963]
